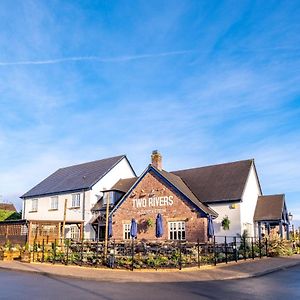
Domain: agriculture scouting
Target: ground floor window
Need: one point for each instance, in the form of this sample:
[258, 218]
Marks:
[177, 230]
[74, 232]
[101, 233]
[126, 231]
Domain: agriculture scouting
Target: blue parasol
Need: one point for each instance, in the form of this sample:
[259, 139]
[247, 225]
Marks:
[133, 229]
[210, 227]
[159, 226]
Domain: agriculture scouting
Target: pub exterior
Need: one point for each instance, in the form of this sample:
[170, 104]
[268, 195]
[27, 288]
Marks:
[155, 192]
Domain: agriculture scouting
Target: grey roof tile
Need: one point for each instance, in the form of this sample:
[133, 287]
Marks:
[77, 177]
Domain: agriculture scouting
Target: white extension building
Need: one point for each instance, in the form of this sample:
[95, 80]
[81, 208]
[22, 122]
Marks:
[231, 190]
[80, 186]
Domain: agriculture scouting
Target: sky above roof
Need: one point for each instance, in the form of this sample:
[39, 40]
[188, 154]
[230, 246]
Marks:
[203, 82]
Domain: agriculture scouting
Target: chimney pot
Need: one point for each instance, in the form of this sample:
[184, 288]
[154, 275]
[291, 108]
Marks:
[156, 160]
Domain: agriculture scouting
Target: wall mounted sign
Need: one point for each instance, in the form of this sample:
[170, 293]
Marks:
[153, 202]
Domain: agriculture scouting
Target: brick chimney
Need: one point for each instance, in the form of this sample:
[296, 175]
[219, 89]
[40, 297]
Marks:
[156, 160]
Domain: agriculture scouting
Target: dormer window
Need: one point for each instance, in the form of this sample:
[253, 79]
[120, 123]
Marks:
[113, 196]
[109, 195]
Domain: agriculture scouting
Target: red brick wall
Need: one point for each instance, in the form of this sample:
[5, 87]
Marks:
[196, 226]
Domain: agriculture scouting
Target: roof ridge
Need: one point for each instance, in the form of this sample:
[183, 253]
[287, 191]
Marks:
[219, 164]
[92, 161]
[272, 195]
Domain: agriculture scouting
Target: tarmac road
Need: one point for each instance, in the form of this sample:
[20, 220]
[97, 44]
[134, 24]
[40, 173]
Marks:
[284, 284]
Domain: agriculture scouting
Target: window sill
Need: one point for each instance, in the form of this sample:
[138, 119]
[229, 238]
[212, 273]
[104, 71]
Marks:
[32, 211]
[52, 209]
[74, 207]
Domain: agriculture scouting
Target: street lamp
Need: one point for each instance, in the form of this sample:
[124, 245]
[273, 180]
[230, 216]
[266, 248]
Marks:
[290, 220]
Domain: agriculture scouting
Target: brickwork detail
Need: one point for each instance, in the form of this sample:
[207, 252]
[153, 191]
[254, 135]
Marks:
[173, 207]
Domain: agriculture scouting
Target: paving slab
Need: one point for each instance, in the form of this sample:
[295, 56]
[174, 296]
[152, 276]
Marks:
[232, 270]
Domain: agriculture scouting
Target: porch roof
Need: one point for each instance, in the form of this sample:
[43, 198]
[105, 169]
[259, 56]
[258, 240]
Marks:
[270, 208]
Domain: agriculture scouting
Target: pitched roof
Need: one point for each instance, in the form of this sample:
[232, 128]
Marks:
[125, 185]
[77, 177]
[7, 206]
[180, 185]
[217, 183]
[269, 207]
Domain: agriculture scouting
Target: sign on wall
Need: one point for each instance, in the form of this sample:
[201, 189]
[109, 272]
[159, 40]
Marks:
[152, 202]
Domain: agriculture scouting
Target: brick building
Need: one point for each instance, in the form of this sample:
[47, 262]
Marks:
[143, 198]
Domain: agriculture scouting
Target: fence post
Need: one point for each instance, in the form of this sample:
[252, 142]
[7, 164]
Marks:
[97, 252]
[198, 251]
[180, 256]
[259, 246]
[266, 247]
[54, 252]
[43, 253]
[252, 247]
[67, 245]
[214, 248]
[244, 239]
[235, 250]
[226, 253]
[34, 247]
[81, 253]
[114, 254]
[132, 254]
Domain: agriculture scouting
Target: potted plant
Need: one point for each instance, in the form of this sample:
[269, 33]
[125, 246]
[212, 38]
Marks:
[225, 223]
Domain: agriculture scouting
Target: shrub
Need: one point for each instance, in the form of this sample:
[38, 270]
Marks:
[279, 247]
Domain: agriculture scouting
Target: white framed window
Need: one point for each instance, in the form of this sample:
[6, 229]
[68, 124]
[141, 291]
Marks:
[54, 203]
[34, 205]
[126, 231]
[74, 232]
[109, 195]
[76, 200]
[177, 230]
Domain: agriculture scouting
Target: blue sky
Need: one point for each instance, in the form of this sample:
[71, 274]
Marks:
[202, 81]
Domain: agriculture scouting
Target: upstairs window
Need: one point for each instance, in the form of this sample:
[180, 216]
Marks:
[177, 230]
[54, 203]
[34, 205]
[109, 195]
[76, 200]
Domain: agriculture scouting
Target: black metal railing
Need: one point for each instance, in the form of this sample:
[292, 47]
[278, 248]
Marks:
[136, 254]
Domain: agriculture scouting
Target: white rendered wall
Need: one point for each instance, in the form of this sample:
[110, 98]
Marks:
[234, 215]
[249, 199]
[44, 212]
[120, 171]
